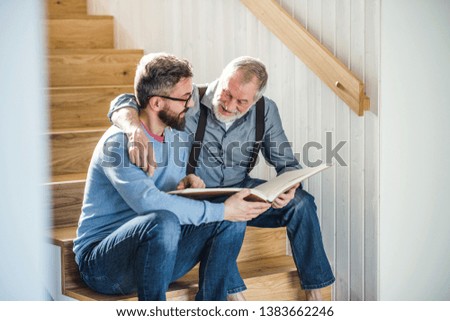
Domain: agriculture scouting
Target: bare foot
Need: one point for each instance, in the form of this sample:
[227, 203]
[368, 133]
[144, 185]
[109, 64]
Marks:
[313, 295]
[236, 297]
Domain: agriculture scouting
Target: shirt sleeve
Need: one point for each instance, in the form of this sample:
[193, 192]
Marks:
[121, 101]
[277, 150]
[140, 193]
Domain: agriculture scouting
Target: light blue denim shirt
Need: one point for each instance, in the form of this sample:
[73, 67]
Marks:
[225, 154]
[117, 191]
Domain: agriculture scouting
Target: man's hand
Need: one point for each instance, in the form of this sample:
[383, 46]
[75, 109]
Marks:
[140, 149]
[239, 210]
[283, 199]
[191, 181]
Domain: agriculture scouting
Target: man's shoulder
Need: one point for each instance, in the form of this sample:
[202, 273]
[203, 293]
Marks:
[269, 104]
[179, 136]
[114, 135]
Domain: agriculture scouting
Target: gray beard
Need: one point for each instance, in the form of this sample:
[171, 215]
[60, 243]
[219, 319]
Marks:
[222, 118]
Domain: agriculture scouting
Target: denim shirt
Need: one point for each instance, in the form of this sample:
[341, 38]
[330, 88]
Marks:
[225, 154]
[117, 191]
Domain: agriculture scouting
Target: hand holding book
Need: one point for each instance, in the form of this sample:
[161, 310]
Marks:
[283, 199]
[237, 209]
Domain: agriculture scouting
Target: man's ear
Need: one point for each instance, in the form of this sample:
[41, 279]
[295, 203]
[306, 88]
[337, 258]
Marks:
[155, 103]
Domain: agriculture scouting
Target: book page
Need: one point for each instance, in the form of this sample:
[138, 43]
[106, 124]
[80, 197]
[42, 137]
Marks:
[265, 192]
[205, 193]
[285, 181]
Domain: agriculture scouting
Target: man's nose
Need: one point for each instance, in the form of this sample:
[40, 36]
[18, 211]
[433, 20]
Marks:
[190, 103]
[232, 106]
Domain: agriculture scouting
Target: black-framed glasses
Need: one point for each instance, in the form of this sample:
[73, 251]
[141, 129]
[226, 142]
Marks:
[186, 101]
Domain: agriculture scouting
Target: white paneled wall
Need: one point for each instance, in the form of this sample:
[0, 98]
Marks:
[212, 32]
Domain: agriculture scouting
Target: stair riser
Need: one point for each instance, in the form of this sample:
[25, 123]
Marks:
[277, 287]
[72, 152]
[82, 107]
[64, 7]
[67, 198]
[89, 33]
[93, 69]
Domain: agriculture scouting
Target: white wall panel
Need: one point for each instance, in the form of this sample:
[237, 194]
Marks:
[372, 150]
[212, 32]
[357, 159]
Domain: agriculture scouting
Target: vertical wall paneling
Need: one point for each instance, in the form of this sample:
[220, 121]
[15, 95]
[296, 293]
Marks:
[328, 126]
[301, 90]
[211, 33]
[314, 107]
[342, 245]
[357, 158]
[371, 166]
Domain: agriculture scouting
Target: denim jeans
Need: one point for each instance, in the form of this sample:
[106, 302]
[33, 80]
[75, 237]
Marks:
[150, 251]
[299, 217]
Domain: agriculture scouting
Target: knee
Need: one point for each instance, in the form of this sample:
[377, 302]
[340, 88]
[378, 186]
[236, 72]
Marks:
[304, 200]
[163, 228]
[234, 230]
[303, 205]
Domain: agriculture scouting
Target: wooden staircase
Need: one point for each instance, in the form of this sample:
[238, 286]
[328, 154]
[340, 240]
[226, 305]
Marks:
[86, 73]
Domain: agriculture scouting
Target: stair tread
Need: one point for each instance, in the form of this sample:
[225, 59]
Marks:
[63, 236]
[76, 51]
[77, 16]
[88, 88]
[78, 130]
[68, 178]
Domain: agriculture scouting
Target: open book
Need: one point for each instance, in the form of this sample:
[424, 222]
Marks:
[266, 192]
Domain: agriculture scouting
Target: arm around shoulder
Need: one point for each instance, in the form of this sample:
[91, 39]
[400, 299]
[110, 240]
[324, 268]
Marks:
[124, 114]
[127, 101]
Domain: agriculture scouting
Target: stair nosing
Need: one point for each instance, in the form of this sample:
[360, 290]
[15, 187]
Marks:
[77, 130]
[91, 51]
[78, 17]
[93, 87]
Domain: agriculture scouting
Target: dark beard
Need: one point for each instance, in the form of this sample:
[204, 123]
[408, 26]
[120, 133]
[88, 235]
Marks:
[175, 122]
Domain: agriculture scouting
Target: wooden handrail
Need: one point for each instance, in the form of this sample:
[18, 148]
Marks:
[316, 56]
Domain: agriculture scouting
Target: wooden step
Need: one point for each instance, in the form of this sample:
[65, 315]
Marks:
[268, 278]
[72, 150]
[82, 106]
[94, 67]
[64, 7]
[67, 199]
[80, 31]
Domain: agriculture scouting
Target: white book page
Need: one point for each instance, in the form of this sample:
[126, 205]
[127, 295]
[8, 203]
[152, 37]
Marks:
[283, 182]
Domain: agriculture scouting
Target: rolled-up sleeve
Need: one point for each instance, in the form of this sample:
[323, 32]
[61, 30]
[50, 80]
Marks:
[122, 101]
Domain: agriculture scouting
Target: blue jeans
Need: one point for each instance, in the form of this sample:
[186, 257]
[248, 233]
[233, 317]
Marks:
[299, 217]
[150, 251]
